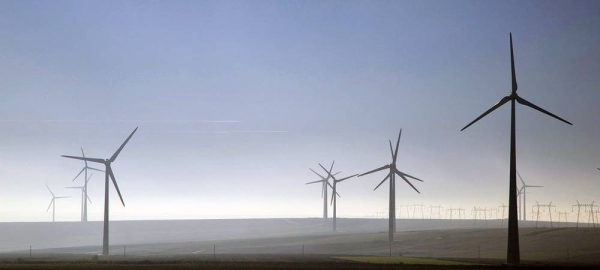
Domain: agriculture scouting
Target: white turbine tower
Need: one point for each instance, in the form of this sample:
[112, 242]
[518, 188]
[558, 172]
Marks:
[53, 202]
[85, 171]
[108, 174]
[84, 196]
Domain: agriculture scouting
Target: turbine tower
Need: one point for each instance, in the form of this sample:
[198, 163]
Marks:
[513, 253]
[85, 171]
[334, 198]
[325, 183]
[53, 202]
[84, 196]
[108, 173]
[392, 176]
[523, 190]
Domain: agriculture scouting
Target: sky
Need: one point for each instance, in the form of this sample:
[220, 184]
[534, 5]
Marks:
[236, 100]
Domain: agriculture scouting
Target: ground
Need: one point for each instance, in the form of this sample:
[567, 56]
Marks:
[309, 244]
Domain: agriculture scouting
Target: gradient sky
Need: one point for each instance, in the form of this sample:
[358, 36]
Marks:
[235, 100]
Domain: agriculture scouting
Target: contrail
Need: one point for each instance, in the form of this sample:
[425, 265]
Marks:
[222, 132]
[120, 121]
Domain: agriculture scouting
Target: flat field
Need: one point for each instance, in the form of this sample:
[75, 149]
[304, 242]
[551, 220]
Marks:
[305, 244]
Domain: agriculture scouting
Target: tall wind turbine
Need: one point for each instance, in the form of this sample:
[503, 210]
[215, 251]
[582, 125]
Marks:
[513, 253]
[392, 176]
[334, 198]
[325, 183]
[108, 173]
[53, 202]
[523, 190]
[85, 171]
[84, 196]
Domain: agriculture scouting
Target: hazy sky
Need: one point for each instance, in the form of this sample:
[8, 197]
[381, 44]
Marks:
[296, 83]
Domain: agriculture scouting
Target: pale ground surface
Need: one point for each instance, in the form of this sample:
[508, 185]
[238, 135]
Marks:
[189, 239]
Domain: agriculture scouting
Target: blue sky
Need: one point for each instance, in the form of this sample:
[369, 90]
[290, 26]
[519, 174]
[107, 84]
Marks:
[235, 100]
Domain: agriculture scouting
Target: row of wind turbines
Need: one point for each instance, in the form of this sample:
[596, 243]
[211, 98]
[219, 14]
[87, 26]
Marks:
[108, 174]
[513, 251]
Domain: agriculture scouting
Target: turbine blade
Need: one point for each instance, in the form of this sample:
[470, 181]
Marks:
[331, 168]
[534, 186]
[94, 169]
[336, 193]
[346, 178]
[99, 160]
[331, 203]
[51, 201]
[88, 197]
[512, 67]
[114, 156]
[78, 174]
[329, 184]
[531, 105]
[89, 177]
[521, 179]
[83, 155]
[328, 172]
[337, 173]
[388, 176]
[112, 177]
[62, 197]
[408, 182]
[391, 149]
[318, 181]
[376, 170]
[407, 175]
[397, 143]
[49, 190]
[500, 103]
[317, 173]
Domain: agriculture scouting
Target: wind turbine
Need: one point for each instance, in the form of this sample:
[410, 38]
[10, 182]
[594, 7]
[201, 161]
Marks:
[513, 253]
[392, 176]
[108, 173]
[85, 170]
[325, 181]
[53, 202]
[84, 195]
[334, 198]
[523, 190]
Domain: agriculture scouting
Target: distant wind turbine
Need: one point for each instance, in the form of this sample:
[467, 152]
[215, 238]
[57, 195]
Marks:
[392, 176]
[523, 190]
[84, 196]
[53, 202]
[334, 198]
[108, 173]
[325, 183]
[513, 253]
[85, 171]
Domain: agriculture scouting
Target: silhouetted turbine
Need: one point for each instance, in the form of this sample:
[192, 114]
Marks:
[392, 176]
[325, 181]
[84, 195]
[108, 173]
[513, 253]
[53, 202]
[523, 190]
[334, 198]
[85, 169]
